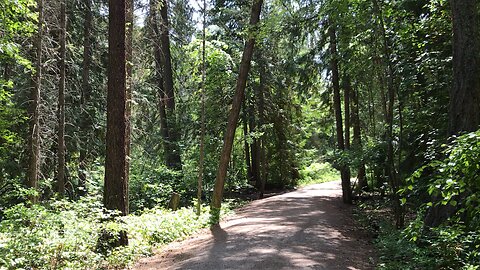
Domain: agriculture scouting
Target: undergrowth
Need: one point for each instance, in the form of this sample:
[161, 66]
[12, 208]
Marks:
[416, 247]
[317, 173]
[64, 235]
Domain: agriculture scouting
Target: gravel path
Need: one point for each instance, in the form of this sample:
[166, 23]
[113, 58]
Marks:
[306, 229]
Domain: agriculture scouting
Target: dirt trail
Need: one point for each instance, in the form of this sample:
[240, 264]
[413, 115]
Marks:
[306, 229]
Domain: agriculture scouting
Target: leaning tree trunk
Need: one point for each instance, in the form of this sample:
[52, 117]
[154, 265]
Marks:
[346, 187]
[34, 166]
[234, 114]
[61, 103]
[116, 173]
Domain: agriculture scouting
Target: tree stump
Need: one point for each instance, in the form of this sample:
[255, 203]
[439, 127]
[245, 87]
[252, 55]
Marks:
[175, 201]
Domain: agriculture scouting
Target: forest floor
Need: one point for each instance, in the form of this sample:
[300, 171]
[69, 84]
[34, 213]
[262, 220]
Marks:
[309, 228]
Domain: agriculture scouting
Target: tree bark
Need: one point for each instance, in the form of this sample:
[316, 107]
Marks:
[61, 103]
[261, 121]
[346, 100]
[464, 109]
[129, 81]
[234, 113]
[248, 156]
[116, 173]
[390, 167]
[173, 158]
[85, 124]
[157, 52]
[346, 106]
[203, 120]
[357, 140]
[464, 114]
[346, 187]
[34, 166]
[254, 146]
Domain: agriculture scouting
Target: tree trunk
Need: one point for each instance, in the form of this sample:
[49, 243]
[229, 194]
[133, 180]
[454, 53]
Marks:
[61, 103]
[248, 160]
[357, 141]
[346, 106]
[254, 147]
[390, 168]
[34, 166]
[173, 152]
[464, 114]
[85, 123]
[116, 173]
[234, 114]
[157, 52]
[129, 81]
[346, 99]
[203, 120]
[464, 111]
[261, 121]
[344, 171]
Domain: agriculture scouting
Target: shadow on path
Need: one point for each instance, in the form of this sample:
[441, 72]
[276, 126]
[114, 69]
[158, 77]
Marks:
[306, 229]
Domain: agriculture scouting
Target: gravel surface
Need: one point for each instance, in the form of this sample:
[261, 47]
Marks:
[306, 229]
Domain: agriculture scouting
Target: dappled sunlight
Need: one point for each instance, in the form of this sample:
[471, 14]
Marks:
[308, 228]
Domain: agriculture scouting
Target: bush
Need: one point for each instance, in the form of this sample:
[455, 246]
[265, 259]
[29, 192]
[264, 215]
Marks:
[64, 235]
[454, 189]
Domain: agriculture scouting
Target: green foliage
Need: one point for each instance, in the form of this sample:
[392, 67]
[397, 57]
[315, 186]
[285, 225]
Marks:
[60, 235]
[151, 186]
[397, 252]
[317, 173]
[445, 247]
[454, 183]
[455, 180]
[65, 235]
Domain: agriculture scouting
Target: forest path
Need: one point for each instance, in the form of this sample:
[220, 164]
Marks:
[309, 228]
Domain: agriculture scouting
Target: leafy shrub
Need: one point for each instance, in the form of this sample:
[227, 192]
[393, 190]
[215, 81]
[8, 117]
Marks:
[454, 184]
[65, 235]
[58, 236]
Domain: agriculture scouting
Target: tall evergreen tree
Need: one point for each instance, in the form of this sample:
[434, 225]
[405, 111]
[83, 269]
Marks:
[116, 172]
